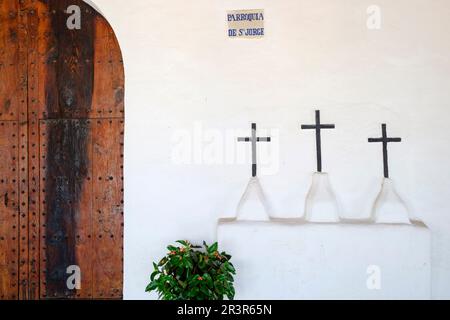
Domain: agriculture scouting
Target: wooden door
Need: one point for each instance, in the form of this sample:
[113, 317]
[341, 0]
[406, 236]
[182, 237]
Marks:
[61, 144]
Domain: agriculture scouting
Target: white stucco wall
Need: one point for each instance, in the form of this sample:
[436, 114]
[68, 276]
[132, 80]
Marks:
[183, 73]
[328, 261]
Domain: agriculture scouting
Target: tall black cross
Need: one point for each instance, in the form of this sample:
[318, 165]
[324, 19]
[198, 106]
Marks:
[254, 139]
[318, 127]
[385, 140]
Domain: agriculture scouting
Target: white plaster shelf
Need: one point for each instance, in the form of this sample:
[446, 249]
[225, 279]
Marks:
[296, 259]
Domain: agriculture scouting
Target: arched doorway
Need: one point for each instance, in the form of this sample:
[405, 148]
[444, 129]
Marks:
[61, 152]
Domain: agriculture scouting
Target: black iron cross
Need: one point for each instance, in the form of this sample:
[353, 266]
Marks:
[385, 140]
[318, 127]
[254, 139]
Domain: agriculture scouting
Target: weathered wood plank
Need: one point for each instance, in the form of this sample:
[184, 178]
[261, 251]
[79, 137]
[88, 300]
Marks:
[33, 9]
[108, 96]
[108, 208]
[66, 204]
[11, 76]
[9, 215]
[23, 154]
[67, 58]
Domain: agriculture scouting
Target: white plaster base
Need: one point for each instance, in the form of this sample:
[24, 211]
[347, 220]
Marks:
[389, 207]
[295, 260]
[321, 204]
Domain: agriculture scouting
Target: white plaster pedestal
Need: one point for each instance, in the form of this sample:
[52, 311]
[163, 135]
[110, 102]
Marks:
[287, 259]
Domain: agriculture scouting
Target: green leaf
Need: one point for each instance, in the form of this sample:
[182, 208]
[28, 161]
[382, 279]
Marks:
[152, 286]
[163, 261]
[213, 248]
[227, 256]
[154, 274]
[230, 267]
[208, 279]
[182, 242]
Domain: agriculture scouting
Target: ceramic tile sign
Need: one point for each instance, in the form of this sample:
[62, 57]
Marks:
[246, 24]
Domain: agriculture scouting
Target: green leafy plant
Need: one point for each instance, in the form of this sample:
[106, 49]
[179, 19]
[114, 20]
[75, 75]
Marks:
[191, 272]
